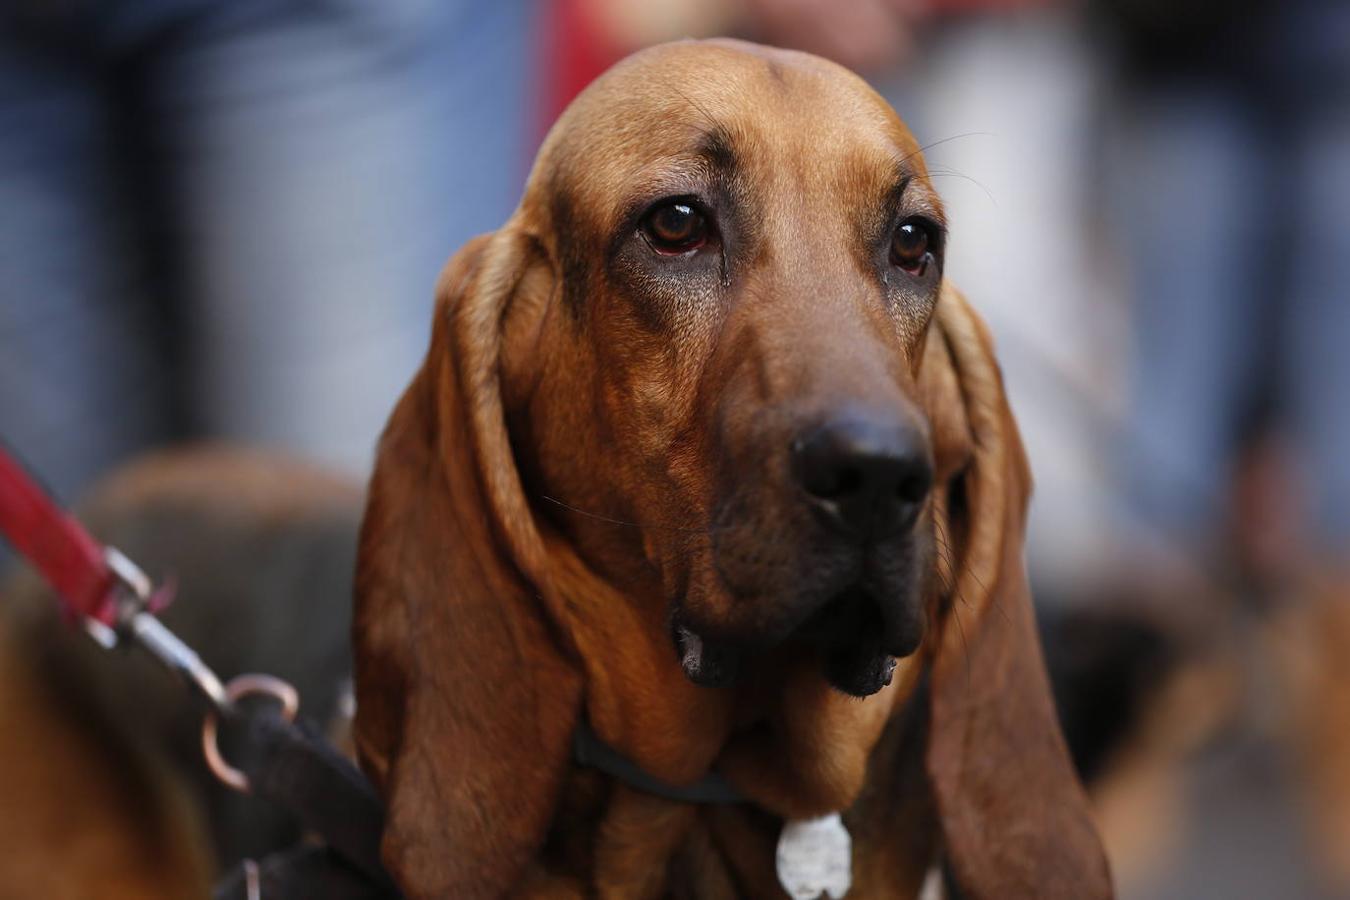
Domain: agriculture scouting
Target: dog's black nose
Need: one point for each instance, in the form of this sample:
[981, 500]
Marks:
[870, 474]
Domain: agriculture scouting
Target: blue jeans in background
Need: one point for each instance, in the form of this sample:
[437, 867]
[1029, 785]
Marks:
[1233, 177]
[225, 219]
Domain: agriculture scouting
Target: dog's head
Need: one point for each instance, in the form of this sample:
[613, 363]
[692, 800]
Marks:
[712, 361]
[750, 253]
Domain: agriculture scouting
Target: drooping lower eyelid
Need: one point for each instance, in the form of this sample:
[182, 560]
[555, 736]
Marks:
[671, 251]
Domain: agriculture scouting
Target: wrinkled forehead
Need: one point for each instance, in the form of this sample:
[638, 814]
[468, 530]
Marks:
[702, 109]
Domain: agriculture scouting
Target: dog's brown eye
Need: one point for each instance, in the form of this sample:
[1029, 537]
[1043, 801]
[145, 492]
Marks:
[910, 247]
[675, 228]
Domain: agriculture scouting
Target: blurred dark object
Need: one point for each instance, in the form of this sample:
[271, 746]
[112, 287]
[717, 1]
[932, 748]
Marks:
[1283, 53]
[262, 549]
[1176, 33]
[1106, 666]
[1143, 695]
[301, 873]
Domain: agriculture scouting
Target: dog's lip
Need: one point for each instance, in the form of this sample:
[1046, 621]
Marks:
[854, 617]
[859, 671]
[858, 654]
[706, 662]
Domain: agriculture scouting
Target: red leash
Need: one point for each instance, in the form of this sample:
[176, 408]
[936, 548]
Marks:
[95, 585]
[60, 549]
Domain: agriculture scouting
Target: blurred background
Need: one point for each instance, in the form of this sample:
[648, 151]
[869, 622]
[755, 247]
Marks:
[222, 220]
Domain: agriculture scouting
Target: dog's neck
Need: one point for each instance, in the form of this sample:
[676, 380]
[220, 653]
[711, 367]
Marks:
[797, 758]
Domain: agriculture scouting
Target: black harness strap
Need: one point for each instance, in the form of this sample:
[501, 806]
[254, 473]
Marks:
[303, 872]
[590, 751]
[293, 766]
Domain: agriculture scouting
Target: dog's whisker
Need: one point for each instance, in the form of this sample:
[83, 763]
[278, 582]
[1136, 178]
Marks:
[994, 601]
[945, 555]
[609, 520]
[973, 574]
[947, 140]
[949, 556]
[952, 173]
[965, 644]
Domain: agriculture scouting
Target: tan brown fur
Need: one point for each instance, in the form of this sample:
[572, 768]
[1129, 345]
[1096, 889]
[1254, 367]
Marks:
[563, 376]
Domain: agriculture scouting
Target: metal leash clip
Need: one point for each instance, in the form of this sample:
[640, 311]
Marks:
[136, 623]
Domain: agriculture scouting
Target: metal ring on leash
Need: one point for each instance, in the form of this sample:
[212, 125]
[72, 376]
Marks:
[238, 688]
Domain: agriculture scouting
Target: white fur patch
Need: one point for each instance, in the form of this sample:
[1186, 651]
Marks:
[815, 858]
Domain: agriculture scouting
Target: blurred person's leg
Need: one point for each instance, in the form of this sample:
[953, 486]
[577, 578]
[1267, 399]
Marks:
[1312, 636]
[327, 159]
[1189, 180]
[1310, 73]
[1315, 80]
[80, 380]
[1319, 331]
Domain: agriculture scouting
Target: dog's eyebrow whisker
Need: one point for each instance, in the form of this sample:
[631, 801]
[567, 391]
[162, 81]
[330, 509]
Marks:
[699, 107]
[952, 173]
[947, 140]
[620, 522]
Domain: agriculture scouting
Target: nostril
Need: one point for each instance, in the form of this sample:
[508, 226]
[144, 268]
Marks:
[913, 489]
[915, 480]
[834, 483]
[849, 481]
[824, 471]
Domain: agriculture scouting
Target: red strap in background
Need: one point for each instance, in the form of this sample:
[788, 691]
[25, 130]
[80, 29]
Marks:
[574, 52]
[575, 49]
[60, 549]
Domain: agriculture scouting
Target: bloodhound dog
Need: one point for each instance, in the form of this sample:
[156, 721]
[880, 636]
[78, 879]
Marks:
[706, 457]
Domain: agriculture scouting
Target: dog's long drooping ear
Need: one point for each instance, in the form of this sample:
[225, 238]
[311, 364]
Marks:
[467, 696]
[1015, 820]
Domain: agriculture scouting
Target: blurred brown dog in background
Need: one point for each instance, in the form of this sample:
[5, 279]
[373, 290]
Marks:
[103, 791]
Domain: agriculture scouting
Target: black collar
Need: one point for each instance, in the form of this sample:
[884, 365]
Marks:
[588, 750]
